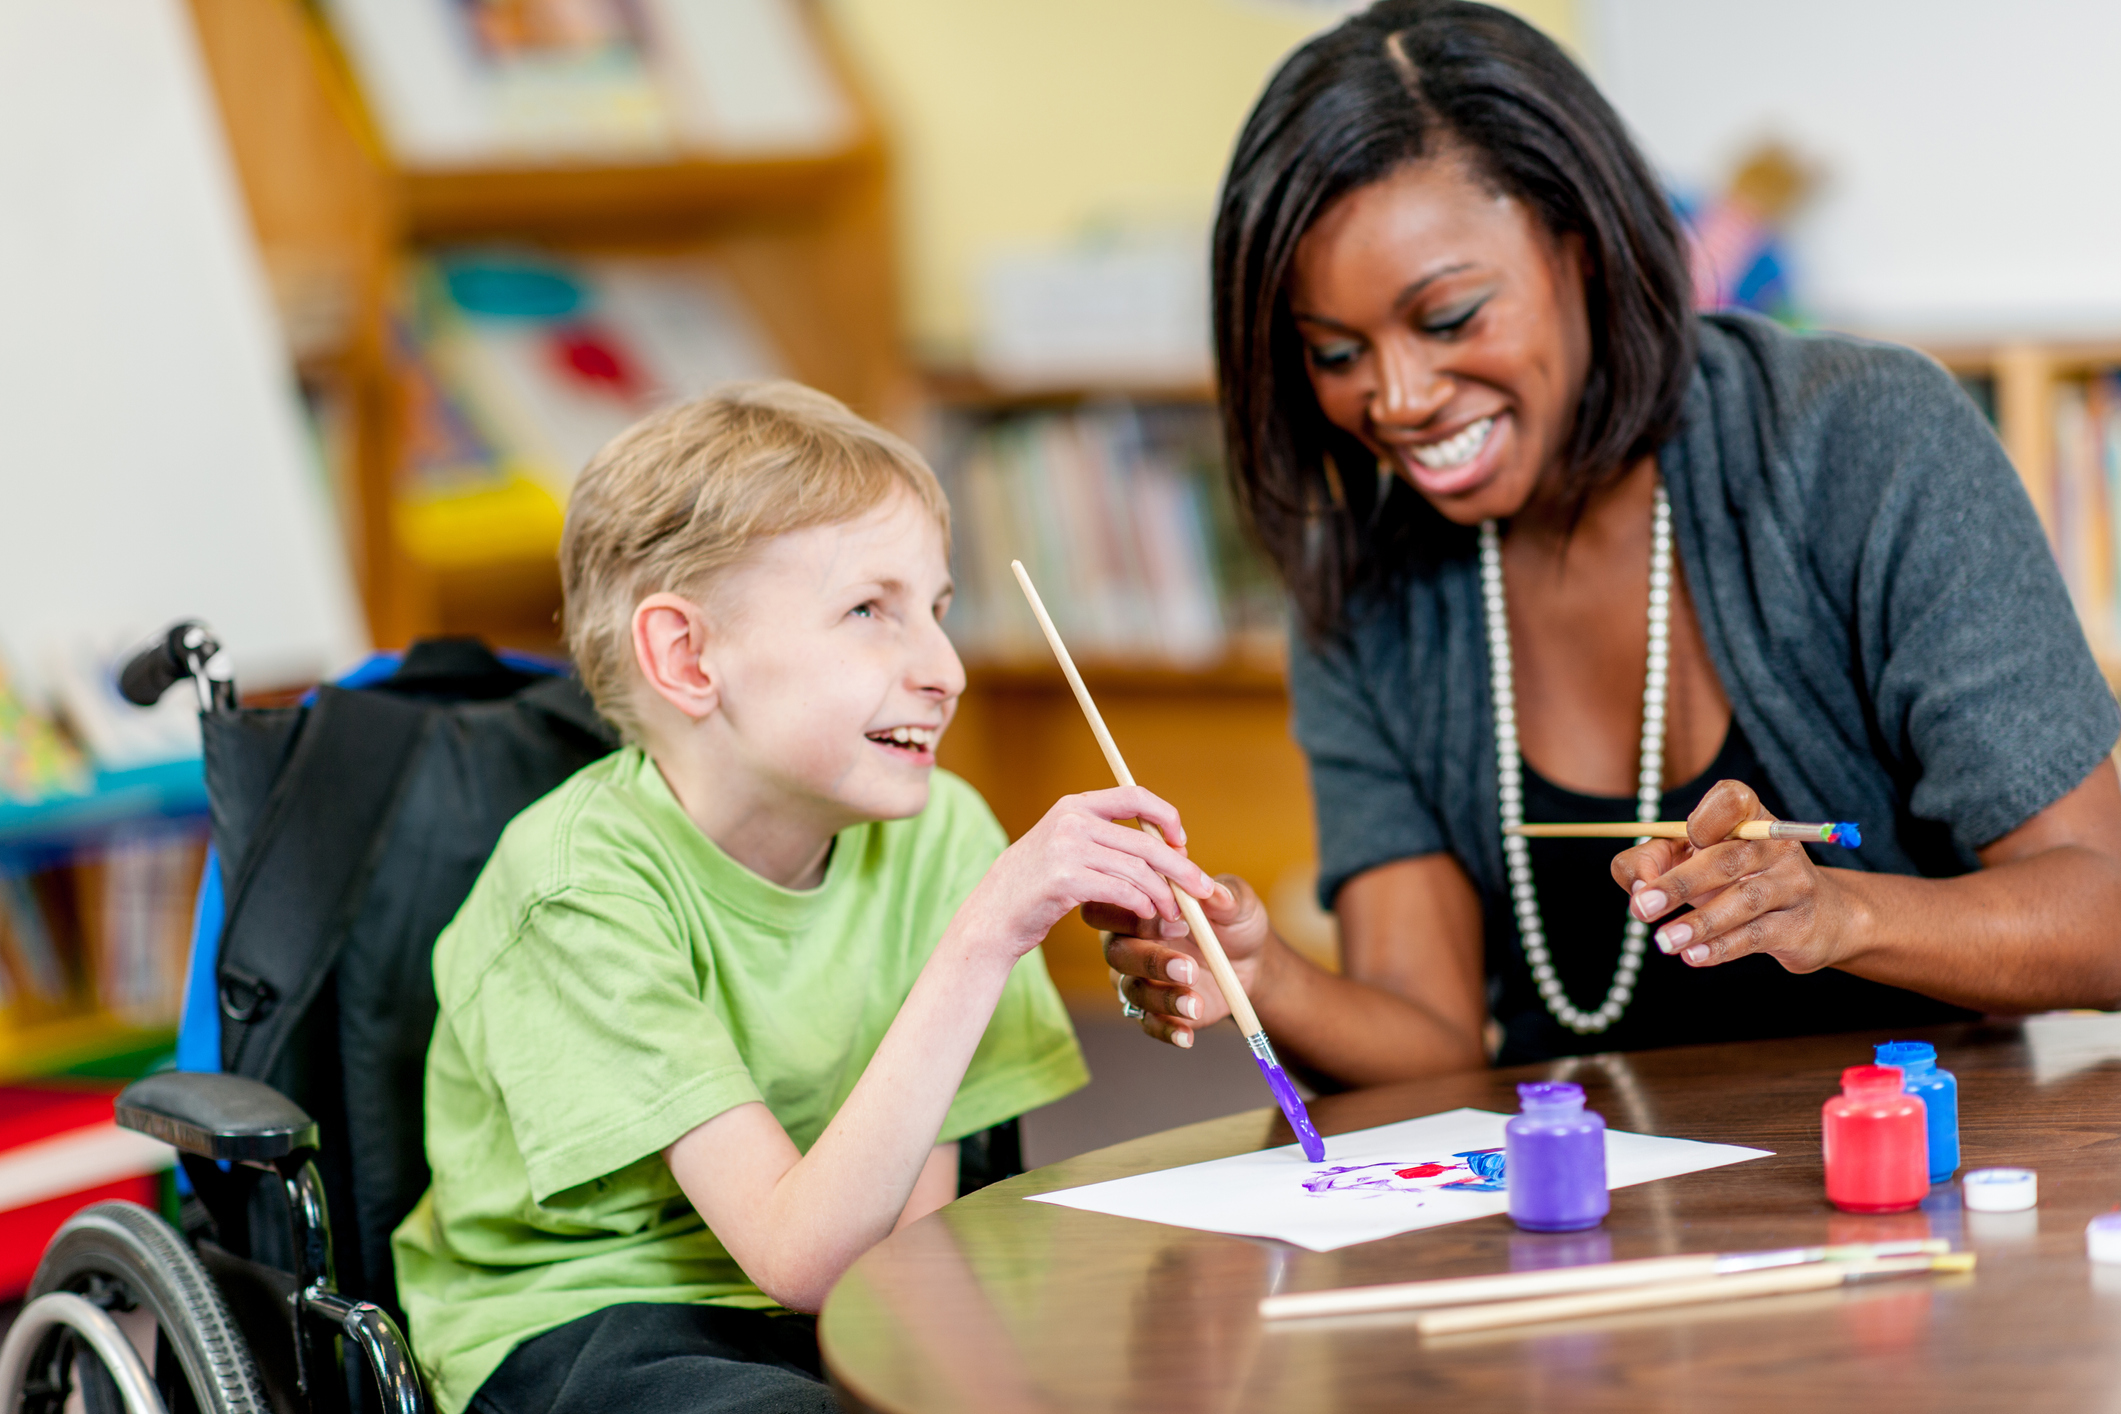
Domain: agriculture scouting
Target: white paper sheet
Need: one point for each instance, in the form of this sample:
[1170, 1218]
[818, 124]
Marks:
[1374, 1183]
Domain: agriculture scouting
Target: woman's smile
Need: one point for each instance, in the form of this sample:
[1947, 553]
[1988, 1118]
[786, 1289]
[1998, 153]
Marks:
[1456, 462]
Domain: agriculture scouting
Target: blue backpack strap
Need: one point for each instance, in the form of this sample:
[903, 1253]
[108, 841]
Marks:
[199, 1030]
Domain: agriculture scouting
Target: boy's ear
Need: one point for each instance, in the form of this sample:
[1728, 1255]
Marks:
[670, 645]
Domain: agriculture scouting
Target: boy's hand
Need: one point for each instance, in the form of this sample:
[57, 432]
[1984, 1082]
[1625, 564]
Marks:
[1079, 854]
[1159, 969]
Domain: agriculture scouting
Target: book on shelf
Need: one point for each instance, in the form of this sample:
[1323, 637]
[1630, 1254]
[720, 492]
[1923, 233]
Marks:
[107, 927]
[37, 762]
[1120, 515]
[519, 367]
[458, 83]
[2087, 503]
[29, 958]
[135, 892]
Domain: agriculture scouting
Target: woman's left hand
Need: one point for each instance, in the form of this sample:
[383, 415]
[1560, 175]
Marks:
[1749, 896]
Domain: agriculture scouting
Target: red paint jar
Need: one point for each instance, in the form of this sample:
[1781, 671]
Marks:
[1876, 1141]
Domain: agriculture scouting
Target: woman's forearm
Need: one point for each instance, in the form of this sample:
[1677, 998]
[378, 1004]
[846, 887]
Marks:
[1355, 1032]
[2032, 934]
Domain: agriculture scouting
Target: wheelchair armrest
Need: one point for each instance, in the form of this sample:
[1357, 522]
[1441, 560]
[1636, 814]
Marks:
[220, 1117]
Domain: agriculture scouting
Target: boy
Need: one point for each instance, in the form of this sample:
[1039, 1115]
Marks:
[717, 1010]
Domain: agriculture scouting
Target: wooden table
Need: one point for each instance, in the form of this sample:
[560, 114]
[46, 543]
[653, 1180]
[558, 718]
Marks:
[996, 1304]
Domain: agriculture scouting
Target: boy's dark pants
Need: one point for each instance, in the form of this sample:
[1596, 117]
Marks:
[664, 1358]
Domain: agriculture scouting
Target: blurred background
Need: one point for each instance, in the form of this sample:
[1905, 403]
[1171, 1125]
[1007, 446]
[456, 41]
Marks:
[315, 306]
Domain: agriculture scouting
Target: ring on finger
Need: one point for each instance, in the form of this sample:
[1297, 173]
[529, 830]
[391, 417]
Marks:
[1126, 1008]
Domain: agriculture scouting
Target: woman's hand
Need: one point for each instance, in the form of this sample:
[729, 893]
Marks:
[1159, 969]
[1080, 855]
[1748, 896]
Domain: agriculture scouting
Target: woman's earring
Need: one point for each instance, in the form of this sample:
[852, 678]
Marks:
[1387, 483]
[1334, 488]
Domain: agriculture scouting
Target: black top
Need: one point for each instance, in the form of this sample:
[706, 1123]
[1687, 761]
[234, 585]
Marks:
[1674, 1005]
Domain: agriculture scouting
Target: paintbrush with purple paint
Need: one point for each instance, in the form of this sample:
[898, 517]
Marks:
[1211, 948]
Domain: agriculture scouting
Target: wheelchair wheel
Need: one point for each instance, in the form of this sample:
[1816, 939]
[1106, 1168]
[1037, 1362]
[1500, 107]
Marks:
[122, 1257]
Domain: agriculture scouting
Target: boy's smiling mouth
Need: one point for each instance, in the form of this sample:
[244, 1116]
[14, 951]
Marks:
[916, 742]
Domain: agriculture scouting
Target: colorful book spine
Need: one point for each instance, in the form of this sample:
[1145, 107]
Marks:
[2086, 531]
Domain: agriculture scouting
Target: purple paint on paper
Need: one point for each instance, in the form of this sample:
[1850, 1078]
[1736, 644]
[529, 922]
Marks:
[1477, 1170]
[1292, 1105]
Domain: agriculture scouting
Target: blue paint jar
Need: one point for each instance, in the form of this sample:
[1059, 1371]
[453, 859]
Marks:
[1555, 1152]
[1939, 1091]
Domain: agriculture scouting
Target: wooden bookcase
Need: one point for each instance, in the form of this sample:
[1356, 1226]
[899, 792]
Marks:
[806, 242]
[61, 852]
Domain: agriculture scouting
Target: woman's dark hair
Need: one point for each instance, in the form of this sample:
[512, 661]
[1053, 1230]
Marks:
[1404, 80]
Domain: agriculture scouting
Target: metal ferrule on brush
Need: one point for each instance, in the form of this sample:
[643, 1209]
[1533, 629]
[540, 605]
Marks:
[1262, 1047]
[1844, 1252]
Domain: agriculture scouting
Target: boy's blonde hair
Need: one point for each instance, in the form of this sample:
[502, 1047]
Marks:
[683, 495]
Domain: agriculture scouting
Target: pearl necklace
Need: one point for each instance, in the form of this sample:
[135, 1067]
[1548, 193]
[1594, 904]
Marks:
[1509, 769]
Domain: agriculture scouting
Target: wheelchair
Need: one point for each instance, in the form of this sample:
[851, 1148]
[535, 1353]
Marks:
[346, 831]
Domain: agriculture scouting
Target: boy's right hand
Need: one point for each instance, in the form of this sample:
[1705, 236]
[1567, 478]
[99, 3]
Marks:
[1079, 854]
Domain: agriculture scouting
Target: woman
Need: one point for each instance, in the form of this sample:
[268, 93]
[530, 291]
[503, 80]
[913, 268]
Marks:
[1562, 550]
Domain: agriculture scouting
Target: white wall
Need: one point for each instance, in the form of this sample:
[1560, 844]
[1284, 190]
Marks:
[1971, 145]
[152, 460]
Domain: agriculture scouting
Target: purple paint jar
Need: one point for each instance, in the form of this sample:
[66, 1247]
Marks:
[1555, 1163]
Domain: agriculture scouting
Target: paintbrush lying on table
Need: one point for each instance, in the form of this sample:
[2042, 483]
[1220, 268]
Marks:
[1633, 1280]
[1211, 948]
[1775, 1281]
[1595, 1276]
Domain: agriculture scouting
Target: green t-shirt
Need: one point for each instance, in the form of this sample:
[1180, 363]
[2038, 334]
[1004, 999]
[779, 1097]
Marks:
[615, 979]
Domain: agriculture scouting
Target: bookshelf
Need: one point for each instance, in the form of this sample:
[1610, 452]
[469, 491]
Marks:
[96, 898]
[805, 242]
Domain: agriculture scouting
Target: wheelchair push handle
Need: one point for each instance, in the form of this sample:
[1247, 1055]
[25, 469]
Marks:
[187, 649]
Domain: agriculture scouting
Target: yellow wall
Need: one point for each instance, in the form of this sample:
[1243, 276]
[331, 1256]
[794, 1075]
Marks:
[1028, 121]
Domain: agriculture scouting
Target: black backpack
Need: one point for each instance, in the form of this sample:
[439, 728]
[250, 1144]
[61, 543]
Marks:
[349, 831]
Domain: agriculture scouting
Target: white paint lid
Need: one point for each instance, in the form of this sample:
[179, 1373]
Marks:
[2102, 1238]
[2001, 1190]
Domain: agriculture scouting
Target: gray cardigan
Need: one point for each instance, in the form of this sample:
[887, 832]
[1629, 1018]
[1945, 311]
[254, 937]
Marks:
[1878, 598]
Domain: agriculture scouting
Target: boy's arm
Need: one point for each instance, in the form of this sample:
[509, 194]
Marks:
[794, 1222]
[936, 1186]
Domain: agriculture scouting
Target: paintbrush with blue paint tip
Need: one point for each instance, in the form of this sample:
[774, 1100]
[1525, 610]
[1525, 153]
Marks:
[1845, 833]
[1211, 948]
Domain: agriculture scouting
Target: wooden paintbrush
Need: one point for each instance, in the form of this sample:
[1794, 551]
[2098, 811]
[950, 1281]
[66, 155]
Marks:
[1561, 1281]
[1211, 948]
[1816, 1276]
[1842, 832]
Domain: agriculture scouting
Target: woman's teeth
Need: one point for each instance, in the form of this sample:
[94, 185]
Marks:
[923, 738]
[1455, 450]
